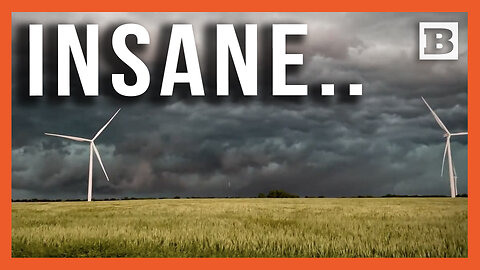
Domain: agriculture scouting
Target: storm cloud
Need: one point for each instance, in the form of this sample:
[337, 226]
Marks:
[384, 141]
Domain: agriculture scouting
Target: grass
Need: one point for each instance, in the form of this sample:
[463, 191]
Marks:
[375, 227]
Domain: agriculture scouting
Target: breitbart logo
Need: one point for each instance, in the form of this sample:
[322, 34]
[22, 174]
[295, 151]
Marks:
[438, 40]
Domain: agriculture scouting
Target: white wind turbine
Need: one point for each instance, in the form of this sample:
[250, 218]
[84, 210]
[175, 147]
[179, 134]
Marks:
[451, 168]
[92, 148]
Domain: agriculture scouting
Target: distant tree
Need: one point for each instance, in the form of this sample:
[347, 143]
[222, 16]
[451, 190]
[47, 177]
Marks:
[280, 194]
[261, 195]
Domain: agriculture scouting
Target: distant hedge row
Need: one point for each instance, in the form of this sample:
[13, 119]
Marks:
[271, 194]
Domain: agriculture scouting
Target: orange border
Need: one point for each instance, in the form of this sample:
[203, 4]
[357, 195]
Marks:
[6, 262]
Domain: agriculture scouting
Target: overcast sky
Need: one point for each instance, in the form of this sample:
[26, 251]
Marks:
[385, 141]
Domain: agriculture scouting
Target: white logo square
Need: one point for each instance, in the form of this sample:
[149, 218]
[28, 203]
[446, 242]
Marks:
[438, 41]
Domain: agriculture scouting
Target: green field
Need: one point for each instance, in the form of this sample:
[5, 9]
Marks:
[376, 227]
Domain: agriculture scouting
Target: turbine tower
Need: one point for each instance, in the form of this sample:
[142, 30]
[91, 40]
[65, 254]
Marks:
[93, 148]
[451, 168]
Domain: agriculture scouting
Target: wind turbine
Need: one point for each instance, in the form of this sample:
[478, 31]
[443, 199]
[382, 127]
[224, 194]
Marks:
[451, 168]
[93, 148]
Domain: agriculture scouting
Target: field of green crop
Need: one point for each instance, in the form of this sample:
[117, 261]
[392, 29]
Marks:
[376, 227]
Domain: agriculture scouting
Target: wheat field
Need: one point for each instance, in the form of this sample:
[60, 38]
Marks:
[300, 227]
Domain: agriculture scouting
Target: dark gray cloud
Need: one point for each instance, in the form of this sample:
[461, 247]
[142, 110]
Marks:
[383, 142]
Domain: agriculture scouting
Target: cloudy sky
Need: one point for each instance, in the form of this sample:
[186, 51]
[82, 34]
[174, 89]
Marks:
[385, 141]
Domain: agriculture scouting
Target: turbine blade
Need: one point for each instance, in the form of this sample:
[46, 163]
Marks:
[444, 155]
[101, 130]
[100, 160]
[78, 139]
[454, 171]
[439, 122]
[459, 133]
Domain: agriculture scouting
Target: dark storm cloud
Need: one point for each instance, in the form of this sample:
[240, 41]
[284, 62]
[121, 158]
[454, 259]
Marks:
[384, 142]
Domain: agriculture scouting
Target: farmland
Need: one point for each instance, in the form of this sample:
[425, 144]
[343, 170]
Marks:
[297, 227]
